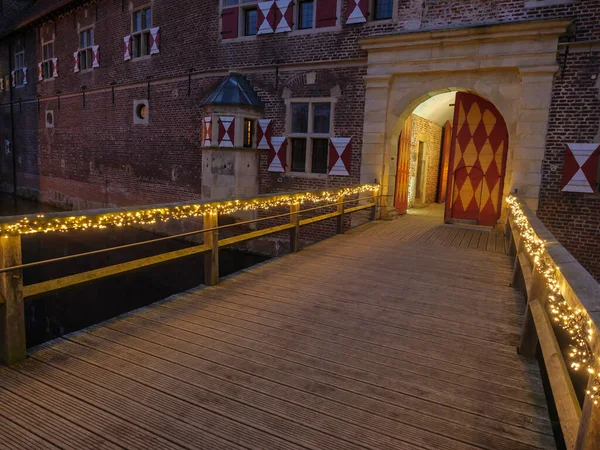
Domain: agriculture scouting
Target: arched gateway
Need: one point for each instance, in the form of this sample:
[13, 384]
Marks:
[502, 75]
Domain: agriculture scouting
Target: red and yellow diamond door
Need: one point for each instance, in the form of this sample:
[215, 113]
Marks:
[477, 161]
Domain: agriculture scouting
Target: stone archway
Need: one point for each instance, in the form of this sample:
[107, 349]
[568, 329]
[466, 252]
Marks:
[511, 65]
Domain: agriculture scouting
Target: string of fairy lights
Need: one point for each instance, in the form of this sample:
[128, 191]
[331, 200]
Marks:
[45, 224]
[575, 321]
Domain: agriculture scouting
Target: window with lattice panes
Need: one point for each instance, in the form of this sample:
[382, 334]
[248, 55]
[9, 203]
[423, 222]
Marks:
[310, 126]
[140, 36]
[19, 65]
[47, 60]
[86, 54]
[383, 9]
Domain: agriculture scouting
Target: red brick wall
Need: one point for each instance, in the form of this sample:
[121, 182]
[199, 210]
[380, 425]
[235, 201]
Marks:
[430, 133]
[572, 217]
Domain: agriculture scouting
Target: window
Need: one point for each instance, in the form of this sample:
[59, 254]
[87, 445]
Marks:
[19, 64]
[140, 112]
[140, 36]
[310, 126]
[47, 63]
[248, 133]
[306, 14]
[86, 56]
[383, 9]
[250, 21]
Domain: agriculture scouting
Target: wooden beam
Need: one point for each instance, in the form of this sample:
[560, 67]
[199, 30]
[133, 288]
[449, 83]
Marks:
[91, 275]
[319, 218]
[340, 217]
[211, 259]
[567, 405]
[295, 228]
[12, 314]
[359, 208]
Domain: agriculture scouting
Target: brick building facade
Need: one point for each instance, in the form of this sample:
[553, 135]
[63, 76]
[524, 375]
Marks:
[117, 117]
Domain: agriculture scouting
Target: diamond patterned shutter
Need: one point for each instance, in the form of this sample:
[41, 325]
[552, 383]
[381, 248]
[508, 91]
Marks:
[581, 167]
[40, 72]
[229, 23]
[95, 56]
[24, 75]
[340, 155]
[154, 40]
[207, 132]
[55, 67]
[277, 155]
[359, 10]
[13, 79]
[1, 83]
[265, 17]
[263, 133]
[127, 48]
[326, 15]
[226, 131]
[477, 161]
[75, 62]
[285, 16]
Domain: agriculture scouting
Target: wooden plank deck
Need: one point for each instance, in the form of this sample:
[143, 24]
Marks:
[397, 335]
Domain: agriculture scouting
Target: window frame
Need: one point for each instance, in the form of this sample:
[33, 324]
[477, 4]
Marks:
[87, 51]
[297, 15]
[310, 135]
[245, 8]
[18, 70]
[373, 9]
[143, 34]
[48, 63]
[252, 122]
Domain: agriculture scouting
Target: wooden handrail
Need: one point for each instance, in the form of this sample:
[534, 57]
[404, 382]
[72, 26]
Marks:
[12, 291]
[581, 292]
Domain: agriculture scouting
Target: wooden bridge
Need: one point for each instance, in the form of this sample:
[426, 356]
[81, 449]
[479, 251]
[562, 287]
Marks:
[397, 334]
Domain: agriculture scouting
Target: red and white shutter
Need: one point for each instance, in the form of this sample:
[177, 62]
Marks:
[13, 79]
[24, 75]
[326, 15]
[285, 16]
[277, 156]
[264, 133]
[127, 48]
[581, 167]
[40, 72]
[229, 23]
[75, 62]
[359, 10]
[207, 132]
[154, 40]
[340, 156]
[95, 56]
[1, 83]
[55, 67]
[265, 17]
[226, 131]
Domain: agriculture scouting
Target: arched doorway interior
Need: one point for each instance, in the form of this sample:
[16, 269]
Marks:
[469, 158]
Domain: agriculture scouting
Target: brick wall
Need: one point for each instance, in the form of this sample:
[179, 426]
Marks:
[574, 218]
[431, 133]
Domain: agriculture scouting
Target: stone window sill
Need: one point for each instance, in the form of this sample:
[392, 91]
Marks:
[530, 4]
[316, 176]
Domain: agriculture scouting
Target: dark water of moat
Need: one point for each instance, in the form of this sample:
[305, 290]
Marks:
[53, 315]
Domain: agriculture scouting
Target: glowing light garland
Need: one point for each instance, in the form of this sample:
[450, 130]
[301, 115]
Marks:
[575, 321]
[42, 224]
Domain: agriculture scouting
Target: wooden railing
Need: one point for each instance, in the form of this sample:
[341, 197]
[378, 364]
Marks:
[12, 291]
[558, 289]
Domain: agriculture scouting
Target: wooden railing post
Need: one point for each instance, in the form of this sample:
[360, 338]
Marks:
[211, 258]
[588, 436]
[295, 232]
[12, 313]
[376, 200]
[340, 218]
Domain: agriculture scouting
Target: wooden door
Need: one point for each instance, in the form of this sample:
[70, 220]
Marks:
[444, 163]
[402, 172]
[477, 161]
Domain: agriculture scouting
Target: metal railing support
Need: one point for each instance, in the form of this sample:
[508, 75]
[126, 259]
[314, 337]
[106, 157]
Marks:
[12, 314]
[295, 232]
[211, 258]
